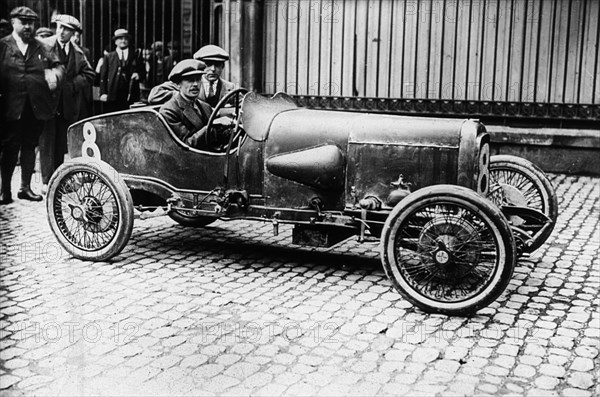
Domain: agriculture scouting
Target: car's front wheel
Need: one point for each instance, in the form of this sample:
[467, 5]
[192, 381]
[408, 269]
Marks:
[448, 250]
[90, 210]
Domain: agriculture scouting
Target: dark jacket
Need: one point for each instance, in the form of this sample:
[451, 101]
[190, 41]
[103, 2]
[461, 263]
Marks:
[79, 77]
[187, 121]
[224, 87]
[109, 75]
[23, 77]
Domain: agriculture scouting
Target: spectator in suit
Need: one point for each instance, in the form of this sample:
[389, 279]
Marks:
[85, 96]
[213, 86]
[29, 76]
[79, 77]
[119, 75]
[188, 115]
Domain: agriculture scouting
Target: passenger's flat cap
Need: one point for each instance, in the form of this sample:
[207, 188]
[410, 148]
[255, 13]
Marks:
[121, 33]
[44, 32]
[68, 21]
[25, 13]
[186, 68]
[211, 53]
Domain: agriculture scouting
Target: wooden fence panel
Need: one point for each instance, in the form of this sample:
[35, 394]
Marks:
[541, 51]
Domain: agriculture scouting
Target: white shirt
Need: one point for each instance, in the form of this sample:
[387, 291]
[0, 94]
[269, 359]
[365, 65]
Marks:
[207, 85]
[20, 43]
[123, 54]
[65, 46]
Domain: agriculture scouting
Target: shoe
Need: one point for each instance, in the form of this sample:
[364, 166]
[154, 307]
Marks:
[5, 198]
[28, 194]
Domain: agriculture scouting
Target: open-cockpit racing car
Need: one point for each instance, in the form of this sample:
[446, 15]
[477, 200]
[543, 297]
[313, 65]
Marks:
[451, 220]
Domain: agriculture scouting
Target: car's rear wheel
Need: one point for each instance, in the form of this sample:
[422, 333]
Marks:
[516, 181]
[90, 210]
[448, 250]
[189, 218]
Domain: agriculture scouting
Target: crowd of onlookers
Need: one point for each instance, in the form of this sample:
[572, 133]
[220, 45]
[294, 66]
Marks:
[48, 82]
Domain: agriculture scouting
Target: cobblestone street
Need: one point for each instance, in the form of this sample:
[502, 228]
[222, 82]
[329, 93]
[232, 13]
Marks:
[233, 310]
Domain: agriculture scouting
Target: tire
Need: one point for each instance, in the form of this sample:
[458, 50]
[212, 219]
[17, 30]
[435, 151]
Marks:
[448, 250]
[525, 184]
[187, 219]
[90, 209]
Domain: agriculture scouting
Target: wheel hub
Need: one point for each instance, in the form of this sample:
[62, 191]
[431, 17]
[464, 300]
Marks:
[89, 211]
[448, 239]
[441, 255]
[77, 212]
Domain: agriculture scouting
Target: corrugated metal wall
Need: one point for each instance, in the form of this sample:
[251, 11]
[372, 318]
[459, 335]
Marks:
[540, 51]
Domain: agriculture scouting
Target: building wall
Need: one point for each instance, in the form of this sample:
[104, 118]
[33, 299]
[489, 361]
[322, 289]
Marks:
[535, 51]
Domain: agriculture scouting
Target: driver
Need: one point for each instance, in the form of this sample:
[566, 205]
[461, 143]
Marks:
[188, 115]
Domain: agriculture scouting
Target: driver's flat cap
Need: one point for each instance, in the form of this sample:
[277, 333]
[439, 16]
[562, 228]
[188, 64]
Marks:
[186, 68]
[211, 53]
[24, 13]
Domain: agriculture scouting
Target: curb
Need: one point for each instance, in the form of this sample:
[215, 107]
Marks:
[568, 151]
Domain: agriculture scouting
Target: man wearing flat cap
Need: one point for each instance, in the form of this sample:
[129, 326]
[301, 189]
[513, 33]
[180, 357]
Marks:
[213, 86]
[79, 76]
[120, 75]
[29, 76]
[188, 115]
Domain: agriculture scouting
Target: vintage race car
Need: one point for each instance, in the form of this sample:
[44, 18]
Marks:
[451, 220]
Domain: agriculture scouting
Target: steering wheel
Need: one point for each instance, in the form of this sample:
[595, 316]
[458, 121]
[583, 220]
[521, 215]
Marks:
[237, 131]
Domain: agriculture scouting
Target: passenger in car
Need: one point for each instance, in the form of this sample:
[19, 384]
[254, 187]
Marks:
[188, 115]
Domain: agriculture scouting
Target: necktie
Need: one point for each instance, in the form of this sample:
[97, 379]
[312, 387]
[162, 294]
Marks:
[63, 54]
[211, 91]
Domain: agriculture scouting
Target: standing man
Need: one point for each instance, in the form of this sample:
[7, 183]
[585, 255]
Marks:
[85, 95]
[213, 86]
[29, 76]
[79, 77]
[118, 75]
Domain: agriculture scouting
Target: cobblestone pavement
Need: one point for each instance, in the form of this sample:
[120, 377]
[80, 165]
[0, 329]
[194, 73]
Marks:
[232, 310]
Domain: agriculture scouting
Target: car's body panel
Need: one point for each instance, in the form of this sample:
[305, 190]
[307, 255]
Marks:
[291, 155]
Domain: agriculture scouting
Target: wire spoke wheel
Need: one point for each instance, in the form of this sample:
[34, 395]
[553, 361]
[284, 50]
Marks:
[90, 213]
[453, 257]
[448, 251]
[86, 211]
[515, 181]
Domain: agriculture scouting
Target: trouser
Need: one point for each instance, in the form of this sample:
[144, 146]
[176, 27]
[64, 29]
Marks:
[53, 146]
[23, 135]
